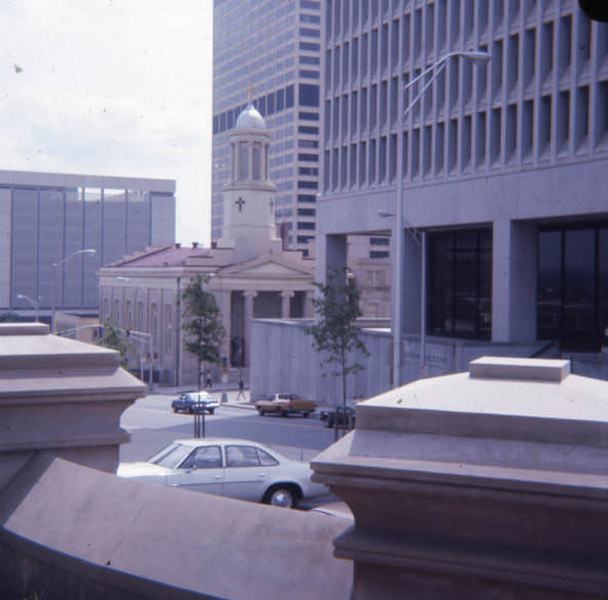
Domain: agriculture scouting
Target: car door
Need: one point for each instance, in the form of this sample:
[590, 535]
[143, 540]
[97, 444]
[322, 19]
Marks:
[200, 471]
[245, 476]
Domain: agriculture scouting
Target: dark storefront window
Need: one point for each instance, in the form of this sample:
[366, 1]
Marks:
[573, 286]
[460, 284]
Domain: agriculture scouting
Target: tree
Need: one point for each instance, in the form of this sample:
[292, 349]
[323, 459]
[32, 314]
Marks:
[335, 333]
[202, 324]
[114, 338]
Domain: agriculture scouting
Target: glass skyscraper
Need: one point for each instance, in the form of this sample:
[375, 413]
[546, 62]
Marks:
[270, 51]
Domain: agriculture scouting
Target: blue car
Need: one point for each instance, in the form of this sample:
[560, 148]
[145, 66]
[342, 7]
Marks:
[195, 402]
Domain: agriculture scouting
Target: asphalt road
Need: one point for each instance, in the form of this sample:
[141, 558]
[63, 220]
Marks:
[153, 425]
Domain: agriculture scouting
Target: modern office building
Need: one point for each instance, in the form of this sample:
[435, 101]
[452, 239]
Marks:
[49, 219]
[271, 49]
[502, 165]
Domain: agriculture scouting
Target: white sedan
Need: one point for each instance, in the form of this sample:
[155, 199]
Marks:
[228, 467]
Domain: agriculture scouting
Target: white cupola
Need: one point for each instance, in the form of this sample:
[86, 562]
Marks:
[249, 196]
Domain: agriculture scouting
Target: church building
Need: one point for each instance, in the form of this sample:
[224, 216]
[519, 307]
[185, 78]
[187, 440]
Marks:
[249, 272]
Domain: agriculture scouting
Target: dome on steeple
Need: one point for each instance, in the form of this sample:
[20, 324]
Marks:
[250, 118]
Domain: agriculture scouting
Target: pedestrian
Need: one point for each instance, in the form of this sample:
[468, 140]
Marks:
[241, 394]
[208, 383]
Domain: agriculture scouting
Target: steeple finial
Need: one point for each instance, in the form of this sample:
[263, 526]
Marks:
[250, 93]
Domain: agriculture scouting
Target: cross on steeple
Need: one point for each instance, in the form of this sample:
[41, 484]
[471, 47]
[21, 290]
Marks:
[240, 203]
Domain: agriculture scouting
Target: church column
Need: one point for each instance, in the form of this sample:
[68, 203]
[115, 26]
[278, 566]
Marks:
[233, 161]
[286, 304]
[237, 160]
[309, 309]
[250, 159]
[226, 313]
[249, 297]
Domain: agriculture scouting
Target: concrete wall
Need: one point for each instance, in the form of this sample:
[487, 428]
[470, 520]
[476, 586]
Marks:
[67, 531]
[283, 359]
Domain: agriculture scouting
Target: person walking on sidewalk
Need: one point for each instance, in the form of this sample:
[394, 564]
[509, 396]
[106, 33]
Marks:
[241, 394]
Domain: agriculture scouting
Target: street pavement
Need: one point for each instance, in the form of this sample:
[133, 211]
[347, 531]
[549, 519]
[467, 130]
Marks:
[153, 425]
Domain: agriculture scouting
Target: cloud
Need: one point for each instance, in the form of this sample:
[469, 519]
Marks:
[116, 87]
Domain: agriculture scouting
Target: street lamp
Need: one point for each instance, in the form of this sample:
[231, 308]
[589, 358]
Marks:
[59, 266]
[33, 303]
[434, 71]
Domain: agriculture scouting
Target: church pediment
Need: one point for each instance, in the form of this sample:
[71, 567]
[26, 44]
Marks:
[267, 268]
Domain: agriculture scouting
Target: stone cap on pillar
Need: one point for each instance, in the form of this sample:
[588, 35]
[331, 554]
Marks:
[500, 397]
[60, 395]
[499, 474]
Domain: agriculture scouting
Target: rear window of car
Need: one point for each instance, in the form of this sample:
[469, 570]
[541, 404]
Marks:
[266, 460]
[242, 456]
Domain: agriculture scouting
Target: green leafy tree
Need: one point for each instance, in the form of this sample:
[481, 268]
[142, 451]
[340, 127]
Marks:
[202, 324]
[335, 334]
[116, 338]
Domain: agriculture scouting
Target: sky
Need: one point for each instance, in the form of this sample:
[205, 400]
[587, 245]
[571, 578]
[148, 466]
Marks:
[111, 87]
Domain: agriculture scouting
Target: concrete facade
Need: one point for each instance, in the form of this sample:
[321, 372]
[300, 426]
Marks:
[501, 165]
[46, 217]
[297, 368]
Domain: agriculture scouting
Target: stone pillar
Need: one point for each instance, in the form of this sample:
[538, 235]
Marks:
[70, 404]
[309, 310]
[514, 276]
[332, 255]
[485, 484]
[249, 296]
[411, 288]
[286, 304]
[250, 159]
[225, 306]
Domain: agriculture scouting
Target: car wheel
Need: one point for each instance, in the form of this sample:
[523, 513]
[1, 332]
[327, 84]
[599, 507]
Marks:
[284, 413]
[211, 411]
[285, 496]
[190, 411]
[174, 409]
[305, 415]
[261, 412]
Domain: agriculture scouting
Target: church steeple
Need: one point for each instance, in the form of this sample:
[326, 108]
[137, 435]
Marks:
[249, 224]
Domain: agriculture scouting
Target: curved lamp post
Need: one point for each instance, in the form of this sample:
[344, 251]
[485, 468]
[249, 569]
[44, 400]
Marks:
[59, 267]
[433, 72]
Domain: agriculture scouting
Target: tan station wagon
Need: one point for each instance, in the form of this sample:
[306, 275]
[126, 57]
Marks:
[285, 405]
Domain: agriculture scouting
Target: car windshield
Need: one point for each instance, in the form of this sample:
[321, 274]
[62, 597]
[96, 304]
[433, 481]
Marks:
[170, 456]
